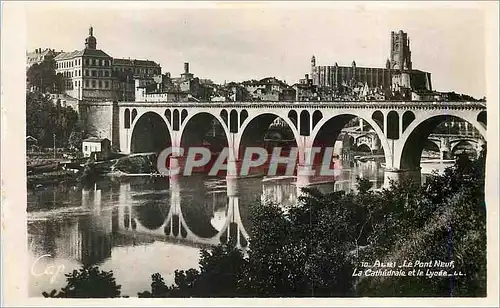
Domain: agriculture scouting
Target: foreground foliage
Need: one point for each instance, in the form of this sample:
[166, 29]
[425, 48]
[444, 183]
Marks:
[88, 282]
[44, 119]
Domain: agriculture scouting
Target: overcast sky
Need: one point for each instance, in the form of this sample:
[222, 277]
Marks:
[236, 42]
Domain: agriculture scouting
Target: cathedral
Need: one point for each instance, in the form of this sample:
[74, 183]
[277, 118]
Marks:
[398, 76]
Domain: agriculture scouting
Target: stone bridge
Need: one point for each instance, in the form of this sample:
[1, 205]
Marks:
[445, 144]
[402, 127]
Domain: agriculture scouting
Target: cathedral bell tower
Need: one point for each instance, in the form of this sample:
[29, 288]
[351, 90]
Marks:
[313, 70]
[400, 61]
[91, 41]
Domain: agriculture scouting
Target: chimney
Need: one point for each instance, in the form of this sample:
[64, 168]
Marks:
[307, 77]
[186, 67]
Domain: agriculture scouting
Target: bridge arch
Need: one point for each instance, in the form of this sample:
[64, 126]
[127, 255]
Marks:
[224, 116]
[305, 123]
[456, 145]
[292, 115]
[233, 121]
[150, 133]
[134, 115]
[127, 118]
[243, 116]
[175, 124]
[197, 123]
[168, 116]
[408, 117]
[432, 145]
[329, 129]
[254, 129]
[184, 115]
[316, 117]
[414, 138]
[482, 117]
[378, 118]
[393, 125]
[364, 147]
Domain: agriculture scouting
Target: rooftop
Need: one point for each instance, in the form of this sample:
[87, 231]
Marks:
[134, 62]
[80, 53]
[93, 139]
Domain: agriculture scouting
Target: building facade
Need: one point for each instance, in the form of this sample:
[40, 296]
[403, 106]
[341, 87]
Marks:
[125, 71]
[91, 74]
[86, 73]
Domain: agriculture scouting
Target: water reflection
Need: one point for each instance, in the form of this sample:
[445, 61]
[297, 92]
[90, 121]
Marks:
[116, 223]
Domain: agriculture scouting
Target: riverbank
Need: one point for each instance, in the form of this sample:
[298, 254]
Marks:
[52, 177]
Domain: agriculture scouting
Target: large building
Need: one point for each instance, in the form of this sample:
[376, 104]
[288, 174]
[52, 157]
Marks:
[91, 74]
[126, 71]
[87, 72]
[398, 76]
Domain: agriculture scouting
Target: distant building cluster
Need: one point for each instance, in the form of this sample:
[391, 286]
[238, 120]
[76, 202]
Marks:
[397, 80]
[91, 74]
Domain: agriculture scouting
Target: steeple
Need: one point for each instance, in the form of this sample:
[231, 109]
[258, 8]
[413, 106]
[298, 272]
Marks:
[91, 41]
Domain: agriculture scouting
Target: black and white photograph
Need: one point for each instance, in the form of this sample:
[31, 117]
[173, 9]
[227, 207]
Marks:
[250, 150]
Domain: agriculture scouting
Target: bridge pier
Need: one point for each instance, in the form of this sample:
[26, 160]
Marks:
[398, 175]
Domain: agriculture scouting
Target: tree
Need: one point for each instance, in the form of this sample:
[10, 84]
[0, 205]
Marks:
[444, 220]
[44, 119]
[220, 273]
[44, 78]
[88, 282]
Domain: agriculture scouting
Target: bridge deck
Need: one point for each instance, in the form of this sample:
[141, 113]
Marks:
[318, 104]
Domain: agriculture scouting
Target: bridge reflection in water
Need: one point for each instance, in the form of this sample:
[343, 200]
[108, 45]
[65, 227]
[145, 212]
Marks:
[139, 226]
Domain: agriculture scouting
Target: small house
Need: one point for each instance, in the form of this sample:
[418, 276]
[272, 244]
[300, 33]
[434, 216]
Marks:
[101, 148]
[31, 143]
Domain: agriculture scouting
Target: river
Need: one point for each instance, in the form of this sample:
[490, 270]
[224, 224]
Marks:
[143, 225]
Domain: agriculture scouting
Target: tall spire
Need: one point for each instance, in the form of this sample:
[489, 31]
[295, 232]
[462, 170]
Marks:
[91, 31]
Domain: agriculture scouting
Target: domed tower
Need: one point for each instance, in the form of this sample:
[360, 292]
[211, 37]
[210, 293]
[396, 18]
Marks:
[91, 41]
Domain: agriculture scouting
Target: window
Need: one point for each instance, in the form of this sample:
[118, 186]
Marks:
[86, 148]
[106, 84]
[86, 83]
[79, 73]
[94, 73]
[93, 83]
[86, 61]
[99, 73]
[100, 84]
[106, 73]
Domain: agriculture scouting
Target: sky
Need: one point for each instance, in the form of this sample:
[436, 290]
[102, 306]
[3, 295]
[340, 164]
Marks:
[237, 41]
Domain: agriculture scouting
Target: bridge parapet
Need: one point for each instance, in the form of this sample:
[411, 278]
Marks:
[320, 104]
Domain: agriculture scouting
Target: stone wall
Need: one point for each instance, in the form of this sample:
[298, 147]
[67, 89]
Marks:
[101, 120]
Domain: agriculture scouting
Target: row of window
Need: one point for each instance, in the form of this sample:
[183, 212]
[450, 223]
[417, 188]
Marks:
[93, 73]
[148, 71]
[87, 61]
[97, 84]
